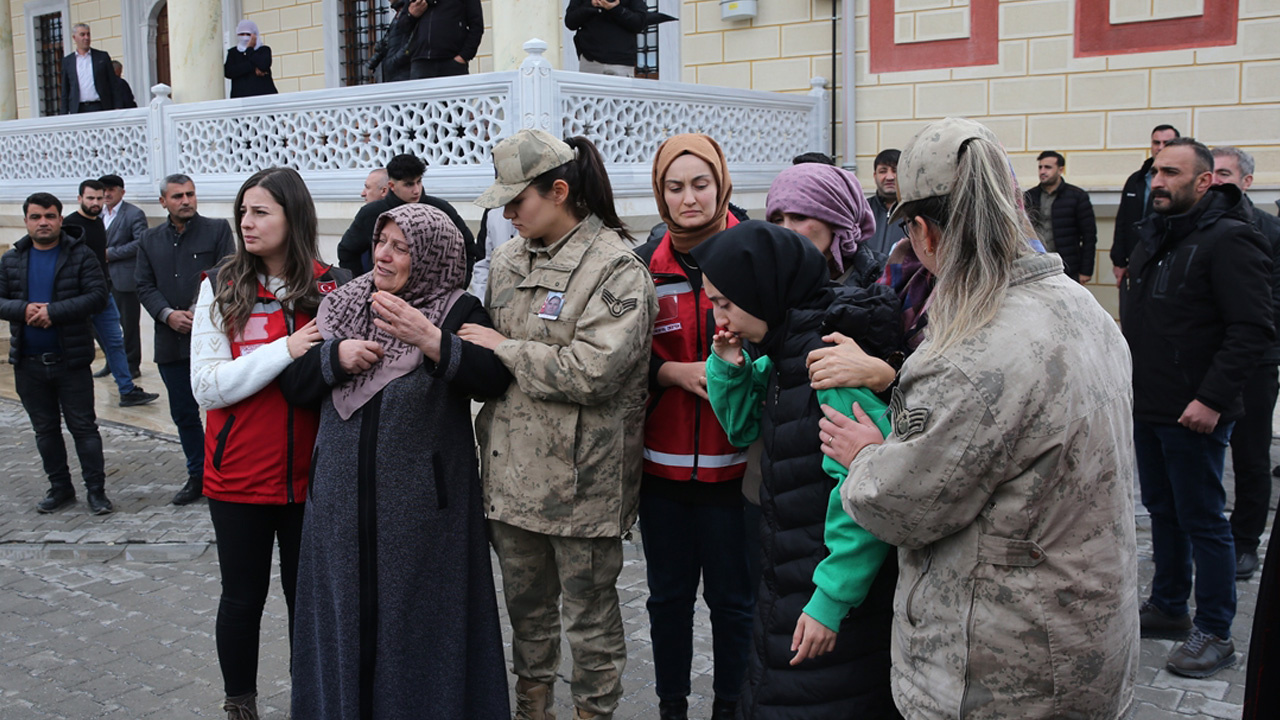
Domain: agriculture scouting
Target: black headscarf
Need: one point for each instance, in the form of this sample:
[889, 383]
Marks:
[764, 269]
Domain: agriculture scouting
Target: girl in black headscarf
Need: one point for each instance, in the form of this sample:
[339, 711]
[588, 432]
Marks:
[824, 606]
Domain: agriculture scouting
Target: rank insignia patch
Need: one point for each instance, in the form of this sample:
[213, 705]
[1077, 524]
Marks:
[906, 421]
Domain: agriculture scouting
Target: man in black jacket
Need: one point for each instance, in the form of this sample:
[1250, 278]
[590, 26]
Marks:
[1135, 203]
[172, 256]
[446, 36]
[86, 76]
[605, 34]
[1196, 310]
[1063, 217]
[125, 223]
[1251, 438]
[50, 285]
[884, 201]
[404, 185]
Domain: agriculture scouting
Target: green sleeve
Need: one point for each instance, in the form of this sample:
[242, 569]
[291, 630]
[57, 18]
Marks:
[737, 396]
[854, 555]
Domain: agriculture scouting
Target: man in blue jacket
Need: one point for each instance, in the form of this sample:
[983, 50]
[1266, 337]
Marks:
[50, 287]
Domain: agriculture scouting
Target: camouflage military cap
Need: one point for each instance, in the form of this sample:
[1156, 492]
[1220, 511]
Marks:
[518, 160]
[928, 165]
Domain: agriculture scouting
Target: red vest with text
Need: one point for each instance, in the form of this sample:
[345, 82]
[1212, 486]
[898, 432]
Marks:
[259, 449]
[682, 438]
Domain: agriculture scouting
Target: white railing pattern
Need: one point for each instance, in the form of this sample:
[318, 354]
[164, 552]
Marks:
[334, 137]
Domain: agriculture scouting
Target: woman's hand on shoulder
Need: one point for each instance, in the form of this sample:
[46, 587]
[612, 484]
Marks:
[688, 376]
[303, 339]
[357, 356]
[728, 347]
[845, 364]
[844, 437]
[487, 338]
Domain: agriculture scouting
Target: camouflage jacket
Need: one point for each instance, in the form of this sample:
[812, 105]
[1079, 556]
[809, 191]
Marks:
[561, 449]
[1007, 484]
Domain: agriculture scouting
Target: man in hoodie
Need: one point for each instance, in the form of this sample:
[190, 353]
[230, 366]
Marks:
[50, 287]
[1195, 307]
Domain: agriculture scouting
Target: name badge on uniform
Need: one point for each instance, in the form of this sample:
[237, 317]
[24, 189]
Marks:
[550, 309]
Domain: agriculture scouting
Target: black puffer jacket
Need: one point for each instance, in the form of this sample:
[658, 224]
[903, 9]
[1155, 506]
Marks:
[1196, 307]
[392, 51]
[1075, 230]
[606, 36]
[447, 28]
[1269, 226]
[1133, 206]
[851, 681]
[79, 291]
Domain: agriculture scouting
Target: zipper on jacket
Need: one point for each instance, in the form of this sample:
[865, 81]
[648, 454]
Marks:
[911, 596]
[697, 408]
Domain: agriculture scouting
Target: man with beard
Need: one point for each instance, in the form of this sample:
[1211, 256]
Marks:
[106, 324]
[172, 258]
[49, 286]
[1196, 310]
[1135, 203]
[885, 201]
[1063, 217]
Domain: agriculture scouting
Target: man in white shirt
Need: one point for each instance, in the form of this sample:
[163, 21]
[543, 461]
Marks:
[86, 76]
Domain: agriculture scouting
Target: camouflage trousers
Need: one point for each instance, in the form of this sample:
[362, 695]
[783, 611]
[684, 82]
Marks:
[545, 577]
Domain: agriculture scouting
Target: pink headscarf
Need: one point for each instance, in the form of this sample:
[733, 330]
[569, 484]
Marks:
[829, 194]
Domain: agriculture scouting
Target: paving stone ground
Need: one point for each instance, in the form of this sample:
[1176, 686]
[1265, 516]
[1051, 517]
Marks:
[113, 616]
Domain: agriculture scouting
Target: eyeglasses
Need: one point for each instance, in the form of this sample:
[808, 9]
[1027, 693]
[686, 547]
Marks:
[905, 223]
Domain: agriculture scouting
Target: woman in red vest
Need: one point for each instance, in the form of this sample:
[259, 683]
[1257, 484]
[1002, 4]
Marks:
[252, 319]
[691, 505]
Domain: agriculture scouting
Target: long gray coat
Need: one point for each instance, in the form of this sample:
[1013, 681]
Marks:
[396, 611]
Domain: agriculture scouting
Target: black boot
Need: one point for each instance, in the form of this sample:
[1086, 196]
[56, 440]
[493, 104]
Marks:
[98, 502]
[55, 499]
[191, 492]
[723, 709]
[673, 709]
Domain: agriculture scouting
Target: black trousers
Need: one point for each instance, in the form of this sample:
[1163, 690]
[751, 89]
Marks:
[1251, 459]
[246, 534]
[425, 68]
[54, 393]
[130, 312]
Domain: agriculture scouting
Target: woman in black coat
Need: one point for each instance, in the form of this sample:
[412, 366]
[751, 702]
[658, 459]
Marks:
[248, 64]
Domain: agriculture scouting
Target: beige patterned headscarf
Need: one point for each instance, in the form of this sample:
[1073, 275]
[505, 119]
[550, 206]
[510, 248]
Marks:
[437, 278]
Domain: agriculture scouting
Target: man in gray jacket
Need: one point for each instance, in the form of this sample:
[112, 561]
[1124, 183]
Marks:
[171, 259]
[125, 223]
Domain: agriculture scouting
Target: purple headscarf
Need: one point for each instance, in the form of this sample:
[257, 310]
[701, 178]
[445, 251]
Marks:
[829, 194]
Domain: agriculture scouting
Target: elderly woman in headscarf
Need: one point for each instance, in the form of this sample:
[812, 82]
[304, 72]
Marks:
[826, 205]
[248, 64]
[396, 608]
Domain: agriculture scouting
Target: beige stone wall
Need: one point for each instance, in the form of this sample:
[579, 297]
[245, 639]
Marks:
[785, 45]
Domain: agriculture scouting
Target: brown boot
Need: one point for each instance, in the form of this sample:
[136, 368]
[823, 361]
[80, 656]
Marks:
[242, 707]
[581, 714]
[535, 701]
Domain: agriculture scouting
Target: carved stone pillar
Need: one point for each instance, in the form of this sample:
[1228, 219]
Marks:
[195, 50]
[516, 21]
[8, 83]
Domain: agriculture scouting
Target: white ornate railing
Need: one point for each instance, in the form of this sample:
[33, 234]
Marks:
[334, 137]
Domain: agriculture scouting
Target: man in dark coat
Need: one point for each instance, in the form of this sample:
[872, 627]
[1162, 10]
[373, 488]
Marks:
[1063, 218]
[125, 224]
[605, 34]
[1135, 203]
[885, 201]
[1251, 438]
[446, 36]
[1196, 310]
[50, 285]
[392, 50]
[172, 257]
[120, 88]
[404, 185]
[86, 76]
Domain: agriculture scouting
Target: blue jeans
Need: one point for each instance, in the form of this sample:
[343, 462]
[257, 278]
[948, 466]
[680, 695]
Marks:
[185, 413]
[685, 542]
[52, 394]
[106, 325]
[1180, 473]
